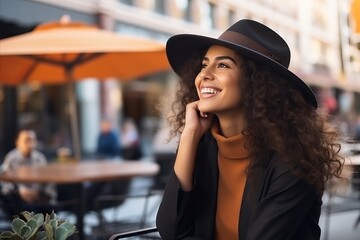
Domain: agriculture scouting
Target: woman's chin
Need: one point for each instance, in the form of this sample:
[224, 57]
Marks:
[205, 109]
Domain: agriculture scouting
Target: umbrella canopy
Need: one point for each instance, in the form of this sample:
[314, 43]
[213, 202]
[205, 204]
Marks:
[63, 52]
[47, 53]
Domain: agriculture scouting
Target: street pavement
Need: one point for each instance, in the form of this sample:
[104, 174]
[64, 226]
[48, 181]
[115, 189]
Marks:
[342, 226]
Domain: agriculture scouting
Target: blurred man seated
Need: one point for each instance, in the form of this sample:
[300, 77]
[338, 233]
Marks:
[108, 143]
[30, 197]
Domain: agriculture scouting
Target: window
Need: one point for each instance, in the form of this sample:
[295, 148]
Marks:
[159, 6]
[208, 17]
[319, 14]
[231, 17]
[183, 6]
[127, 2]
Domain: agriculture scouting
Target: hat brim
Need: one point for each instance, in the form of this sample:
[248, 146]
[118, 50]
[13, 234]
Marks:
[180, 48]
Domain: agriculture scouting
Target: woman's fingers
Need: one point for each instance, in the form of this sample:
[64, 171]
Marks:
[197, 120]
[204, 115]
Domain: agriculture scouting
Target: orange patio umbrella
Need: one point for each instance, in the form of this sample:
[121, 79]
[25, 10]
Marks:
[63, 52]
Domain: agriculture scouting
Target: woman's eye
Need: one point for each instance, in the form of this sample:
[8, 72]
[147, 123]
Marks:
[203, 65]
[223, 65]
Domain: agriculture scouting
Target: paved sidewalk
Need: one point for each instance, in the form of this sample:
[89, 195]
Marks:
[342, 226]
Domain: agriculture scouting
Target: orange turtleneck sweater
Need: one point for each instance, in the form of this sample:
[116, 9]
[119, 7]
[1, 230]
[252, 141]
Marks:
[233, 160]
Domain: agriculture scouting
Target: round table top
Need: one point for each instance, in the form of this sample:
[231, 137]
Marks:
[352, 160]
[83, 171]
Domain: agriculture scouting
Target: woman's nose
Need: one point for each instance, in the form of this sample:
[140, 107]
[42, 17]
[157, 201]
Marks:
[207, 74]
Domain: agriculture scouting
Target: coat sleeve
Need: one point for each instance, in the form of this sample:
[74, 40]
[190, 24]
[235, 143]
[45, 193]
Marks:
[175, 218]
[290, 210]
[190, 215]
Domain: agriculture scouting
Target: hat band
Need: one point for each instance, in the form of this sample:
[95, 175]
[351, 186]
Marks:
[247, 42]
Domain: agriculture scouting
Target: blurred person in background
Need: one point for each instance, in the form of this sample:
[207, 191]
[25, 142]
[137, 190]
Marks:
[108, 145]
[130, 140]
[254, 152]
[28, 197]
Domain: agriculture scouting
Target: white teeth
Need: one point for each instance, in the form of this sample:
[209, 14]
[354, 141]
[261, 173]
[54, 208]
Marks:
[209, 91]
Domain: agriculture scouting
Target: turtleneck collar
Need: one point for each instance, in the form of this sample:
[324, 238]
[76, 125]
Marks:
[231, 147]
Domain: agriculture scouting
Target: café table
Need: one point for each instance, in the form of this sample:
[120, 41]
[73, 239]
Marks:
[79, 173]
[353, 160]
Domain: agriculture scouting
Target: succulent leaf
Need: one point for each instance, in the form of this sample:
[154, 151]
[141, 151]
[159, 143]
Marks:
[49, 231]
[32, 224]
[69, 227]
[16, 225]
[39, 218]
[53, 215]
[61, 233]
[6, 235]
[33, 227]
[53, 223]
[41, 236]
[27, 215]
[25, 232]
[47, 218]
[10, 235]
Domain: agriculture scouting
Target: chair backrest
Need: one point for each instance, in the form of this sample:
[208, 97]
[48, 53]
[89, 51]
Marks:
[134, 233]
[166, 162]
[101, 189]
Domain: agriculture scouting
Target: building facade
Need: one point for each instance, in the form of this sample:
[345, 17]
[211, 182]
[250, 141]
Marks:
[317, 31]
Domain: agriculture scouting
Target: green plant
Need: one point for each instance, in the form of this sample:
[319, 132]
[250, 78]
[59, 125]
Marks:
[38, 227]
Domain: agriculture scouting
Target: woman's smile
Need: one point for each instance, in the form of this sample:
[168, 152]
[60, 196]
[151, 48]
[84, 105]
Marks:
[207, 92]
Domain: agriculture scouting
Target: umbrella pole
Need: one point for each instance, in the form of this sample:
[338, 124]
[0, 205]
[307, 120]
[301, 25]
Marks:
[73, 115]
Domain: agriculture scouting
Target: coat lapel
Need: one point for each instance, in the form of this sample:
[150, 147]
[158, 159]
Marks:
[252, 195]
[207, 179]
[207, 185]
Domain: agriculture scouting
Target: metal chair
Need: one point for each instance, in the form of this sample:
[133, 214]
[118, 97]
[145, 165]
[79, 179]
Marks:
[347, 200]
[120, 222]
[141, 233]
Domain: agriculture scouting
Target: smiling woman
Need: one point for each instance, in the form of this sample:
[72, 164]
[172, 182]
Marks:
[254, 152]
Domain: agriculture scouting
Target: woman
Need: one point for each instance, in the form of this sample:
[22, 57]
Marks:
[254, 152]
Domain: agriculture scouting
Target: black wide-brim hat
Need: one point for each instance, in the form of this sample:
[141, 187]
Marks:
[247, 37]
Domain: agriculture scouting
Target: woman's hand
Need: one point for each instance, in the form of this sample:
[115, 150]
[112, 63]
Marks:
[195, 121]
[196, 124]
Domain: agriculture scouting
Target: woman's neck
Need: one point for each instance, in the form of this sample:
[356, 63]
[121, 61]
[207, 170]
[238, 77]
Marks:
[231, 125]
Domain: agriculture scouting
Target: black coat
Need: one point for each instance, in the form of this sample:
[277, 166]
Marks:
[276, 204]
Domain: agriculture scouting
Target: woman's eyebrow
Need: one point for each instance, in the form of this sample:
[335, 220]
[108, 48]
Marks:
[221, 58]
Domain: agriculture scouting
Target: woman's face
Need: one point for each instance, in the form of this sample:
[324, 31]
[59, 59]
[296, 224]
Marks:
[218, 83]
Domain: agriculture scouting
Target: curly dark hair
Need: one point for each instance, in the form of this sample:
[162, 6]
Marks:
[279, 121]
